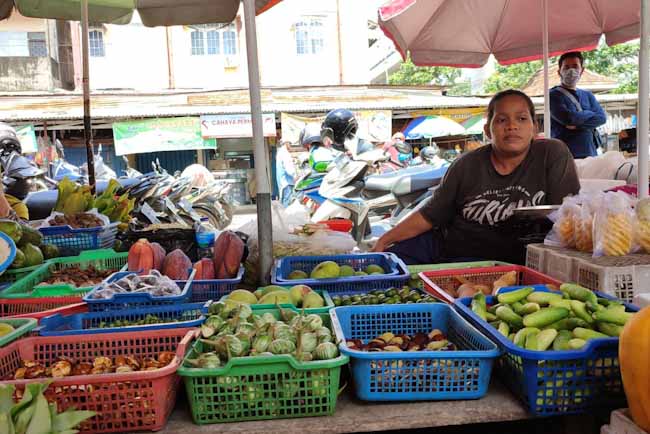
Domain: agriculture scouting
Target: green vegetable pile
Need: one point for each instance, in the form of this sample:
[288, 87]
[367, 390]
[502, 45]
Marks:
[541, 321]
[233, 331]
[147, 320]
[405, 295]
[33, 414]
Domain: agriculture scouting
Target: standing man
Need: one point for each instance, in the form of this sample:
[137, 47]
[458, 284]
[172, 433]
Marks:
[575, 112]
[285, 172]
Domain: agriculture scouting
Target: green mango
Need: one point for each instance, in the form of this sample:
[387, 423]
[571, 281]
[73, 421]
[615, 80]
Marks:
[33, 255]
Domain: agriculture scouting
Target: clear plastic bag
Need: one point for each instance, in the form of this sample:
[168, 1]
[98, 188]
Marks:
[614, 226]
[565, 223]
[584, 222]
[643, 224]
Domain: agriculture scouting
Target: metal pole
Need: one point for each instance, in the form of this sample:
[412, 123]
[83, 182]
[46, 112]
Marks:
[547, 105]
[264, 223]
[643, 116]
[88, 139]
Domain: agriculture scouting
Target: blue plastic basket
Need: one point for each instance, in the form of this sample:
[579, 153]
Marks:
[135, 300]
[419, 375]
[557, 382]
[396, 272]
[71, 242]
[186, 315]
[204, 290]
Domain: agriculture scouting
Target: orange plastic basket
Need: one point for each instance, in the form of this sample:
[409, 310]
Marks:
[32, 307]
[133, 401]
[439, 283]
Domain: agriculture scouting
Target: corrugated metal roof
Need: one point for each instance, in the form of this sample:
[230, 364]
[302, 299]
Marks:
[125, 105]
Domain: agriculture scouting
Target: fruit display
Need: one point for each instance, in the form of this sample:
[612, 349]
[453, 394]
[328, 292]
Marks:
[74, 200]
[27, 411]
[435, 340]
[404, 295]
[149, 319]
[145, 256]
[301, 296]
[77, 276]
[66, 367]
[541, 321]
[232, 330]
[81, 220]
[332, 270]
[29, 243]
[154, 283]
[634, 356]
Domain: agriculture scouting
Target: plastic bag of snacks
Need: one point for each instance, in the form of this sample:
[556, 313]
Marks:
[643, 224]
[566, 220]
[584, 223]
[614, 226]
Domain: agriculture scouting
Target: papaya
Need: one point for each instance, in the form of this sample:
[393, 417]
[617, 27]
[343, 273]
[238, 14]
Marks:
[204, 269]
[228, 254]
[33, 255]
[12, 229]
[177, 265]
[141, 257]
[31, 236]
[159, 255]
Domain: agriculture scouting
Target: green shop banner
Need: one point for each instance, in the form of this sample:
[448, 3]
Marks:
[27, 137]
[159, 135]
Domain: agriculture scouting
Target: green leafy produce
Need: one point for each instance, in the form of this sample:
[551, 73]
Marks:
[147, 320]
[405, 295]
[34, 415]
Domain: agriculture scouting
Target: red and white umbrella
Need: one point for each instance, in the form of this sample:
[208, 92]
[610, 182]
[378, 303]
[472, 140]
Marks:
[463, 33]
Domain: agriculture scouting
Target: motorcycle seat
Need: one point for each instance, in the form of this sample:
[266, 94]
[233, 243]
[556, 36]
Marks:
[420, 181]
[387, 181]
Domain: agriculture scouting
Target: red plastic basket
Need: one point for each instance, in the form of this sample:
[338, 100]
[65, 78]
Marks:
[69, 309]
[34, 307]
[133, 401]
[439, 282]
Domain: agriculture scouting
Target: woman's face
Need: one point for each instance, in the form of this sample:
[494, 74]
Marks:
[512, 128]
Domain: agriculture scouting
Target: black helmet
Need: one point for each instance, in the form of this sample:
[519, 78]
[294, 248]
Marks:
[309, 135]
[8, 139]
[428, 153]
[339, 125]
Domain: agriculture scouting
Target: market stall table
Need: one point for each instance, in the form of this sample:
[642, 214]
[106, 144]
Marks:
[353, 415]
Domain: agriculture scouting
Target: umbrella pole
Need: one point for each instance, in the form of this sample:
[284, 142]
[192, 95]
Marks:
[264, 223]
[86, 95]
[643, 116]
[547, 105]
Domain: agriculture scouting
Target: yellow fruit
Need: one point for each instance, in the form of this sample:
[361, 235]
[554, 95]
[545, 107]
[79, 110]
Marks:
[326, 270]
[5, 329]
[243, 296]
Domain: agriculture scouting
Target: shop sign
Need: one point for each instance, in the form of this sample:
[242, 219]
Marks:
[27, 137]
[159, 135]
[235, 126]
[374, 125]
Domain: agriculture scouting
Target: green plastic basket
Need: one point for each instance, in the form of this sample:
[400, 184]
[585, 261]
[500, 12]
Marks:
[329, 304]
[414, 270]
[27, 287]
[259, 388]
[13, 274]
[21, 327]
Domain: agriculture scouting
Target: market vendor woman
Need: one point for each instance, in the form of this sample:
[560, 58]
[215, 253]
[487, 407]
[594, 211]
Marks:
[469, 215]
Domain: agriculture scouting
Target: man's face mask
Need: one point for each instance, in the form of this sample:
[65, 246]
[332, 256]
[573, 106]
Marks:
[570, 77]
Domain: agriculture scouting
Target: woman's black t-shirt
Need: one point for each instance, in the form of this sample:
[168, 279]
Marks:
[474, 203]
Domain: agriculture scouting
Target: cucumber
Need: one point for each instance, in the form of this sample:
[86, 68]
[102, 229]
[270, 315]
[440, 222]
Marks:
[545, 338]
[531, 341]
[612, 316]
[490, 317]
[576, 344]
[521, 335]
[529, 308]
[561, 303]
[586, 334]
[616, 307]
[504, 313]
[577, 292]
[513, 296]
[567, 324]
[504, 328]
[609, 329]
[518, 307]
[493, 309]
[594, 307]
[546, 316]
[478, 305]
[580, 310]
[561, 342]
[511, 337]
[543, 298]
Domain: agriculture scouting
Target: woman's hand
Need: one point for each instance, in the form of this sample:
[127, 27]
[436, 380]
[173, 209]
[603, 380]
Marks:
[380, 246]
